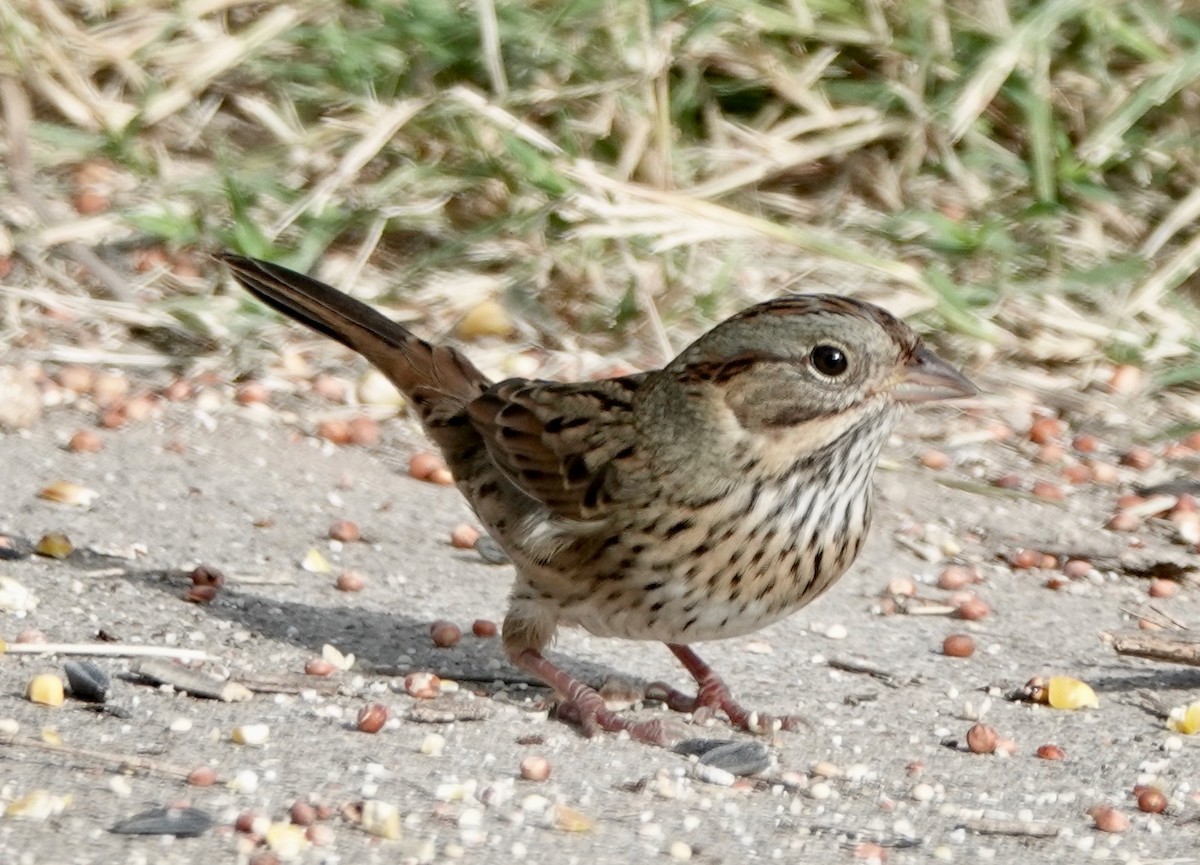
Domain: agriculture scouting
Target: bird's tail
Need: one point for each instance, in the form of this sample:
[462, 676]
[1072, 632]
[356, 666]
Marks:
[437, 379]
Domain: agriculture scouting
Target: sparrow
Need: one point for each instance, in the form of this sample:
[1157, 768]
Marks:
[701, 501]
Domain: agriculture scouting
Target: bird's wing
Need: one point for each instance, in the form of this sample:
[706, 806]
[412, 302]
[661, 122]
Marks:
[560, 444]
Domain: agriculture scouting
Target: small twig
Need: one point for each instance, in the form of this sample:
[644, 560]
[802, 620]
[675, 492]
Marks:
[1157, 616]
[1024, 828]
[119, 762]
[847, 665]
[192, 682]
[267, 684]
[105, 650]
[1176, 649]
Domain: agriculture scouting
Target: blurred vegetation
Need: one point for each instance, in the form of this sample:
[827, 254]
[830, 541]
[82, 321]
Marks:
[1023, 174]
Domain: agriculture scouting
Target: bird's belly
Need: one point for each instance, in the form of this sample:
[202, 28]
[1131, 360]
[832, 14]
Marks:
[717, 584]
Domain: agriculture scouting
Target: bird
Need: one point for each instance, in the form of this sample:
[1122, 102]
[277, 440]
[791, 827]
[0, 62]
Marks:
[701, 501]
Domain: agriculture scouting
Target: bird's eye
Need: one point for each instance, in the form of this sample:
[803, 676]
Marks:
[829, 360]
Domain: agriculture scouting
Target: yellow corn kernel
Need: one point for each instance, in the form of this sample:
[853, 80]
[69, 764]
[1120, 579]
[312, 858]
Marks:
[1063, 692]
[46, 689]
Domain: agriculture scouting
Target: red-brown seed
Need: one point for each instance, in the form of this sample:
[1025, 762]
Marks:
[320, 835]
[1077, 569]
[1049, 562]
[247, 822]
[202, 776]
[423, 463]
[112, 418]
[1078, 473]
[973, 609]
[201, 594]
[251, 393]
[1160, 588]
[1109, 819]
[89, 202]
[903, 587]
[77, 379]
[1185, 504]
[423, 685]
[1050, 492]
[1008, 482]
[319, 667]
[363, 430]
[1123, 521]
[1085, 444]
[535, 768]
[958, 646]
[351, 581]
[1050, 453]
[464, 536]
[936, 460]
[445, 634]
[1051, 752]
[1129, 500]
[31, 636]
[1138, 458]
[302, 813]
[1026, 559]
[85, 441]
[206, 575]
[1044, 430]
[1148, 625]
[344, 530]
[485, 628]
[1151, 800]
[329, 387]
[956, 577]
[1104, 473]
[982, 739]
[177, 391]
[334, 430]
[372, 718]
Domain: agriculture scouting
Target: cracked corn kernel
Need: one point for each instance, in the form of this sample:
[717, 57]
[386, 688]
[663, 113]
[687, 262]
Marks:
[1185, 719]
[46, 689]
[1064, 692]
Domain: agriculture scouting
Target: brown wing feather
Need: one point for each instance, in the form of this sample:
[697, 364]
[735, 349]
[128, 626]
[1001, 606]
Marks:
[558, 443]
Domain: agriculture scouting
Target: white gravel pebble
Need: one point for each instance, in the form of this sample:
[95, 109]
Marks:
[1172, 744]
[181, 725]
[433, 745]
[680, 851]
[9, 726]
[923, 792]
[245, 781]
[820, 791]
[837, 632]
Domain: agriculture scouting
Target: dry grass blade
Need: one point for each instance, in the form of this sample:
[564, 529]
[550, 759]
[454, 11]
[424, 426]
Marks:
[977, 94]
[381, 127]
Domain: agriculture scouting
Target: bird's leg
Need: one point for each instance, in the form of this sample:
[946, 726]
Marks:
[714, 694]
[586, 707]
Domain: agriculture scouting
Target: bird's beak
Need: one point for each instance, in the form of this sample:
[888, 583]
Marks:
[926, 377]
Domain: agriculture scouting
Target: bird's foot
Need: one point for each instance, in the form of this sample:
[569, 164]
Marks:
[713, 696]
[585, 707]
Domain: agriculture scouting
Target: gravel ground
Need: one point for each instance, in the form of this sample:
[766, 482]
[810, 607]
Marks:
[883, 773]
